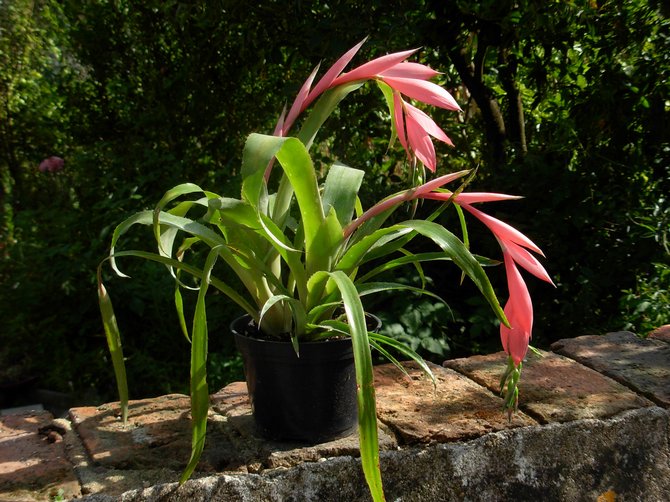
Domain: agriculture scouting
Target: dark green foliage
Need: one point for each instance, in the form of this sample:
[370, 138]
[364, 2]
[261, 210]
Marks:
[566, 103]
[647, 306]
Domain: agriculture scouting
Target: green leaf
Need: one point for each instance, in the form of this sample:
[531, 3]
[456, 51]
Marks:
[354, 255]
[380, 339]
[370, 288]
[367, 411]
[199, 388]
[320, 257]
[253, 273]
[291, 256]
[187, 225]
[259, 150]
[195, 272]
[340, 191]
[179, 306]
[168, 197]
[323, 248]
[454, 248]
[234, 212]
[388, 97]
[322, 110]
[299, 170]
[409, 259]
[114, 343]
[464, 230]
[298, 313]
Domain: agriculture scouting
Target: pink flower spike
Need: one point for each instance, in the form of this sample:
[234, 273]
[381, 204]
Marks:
[427, 124]
[427, 92]
[527, 261]
[474, 197]
[327, 80]
[399, 120]
[519, 313]
[374, 67]
[299, 103]
[502, 230]
[410, 70]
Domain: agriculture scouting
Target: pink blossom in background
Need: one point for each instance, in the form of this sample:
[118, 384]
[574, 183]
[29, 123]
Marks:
[51, 164]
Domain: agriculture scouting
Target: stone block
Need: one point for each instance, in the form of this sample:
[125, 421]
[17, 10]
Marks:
[554, 388]
[641, 364]
[580, 435]
[624, 458]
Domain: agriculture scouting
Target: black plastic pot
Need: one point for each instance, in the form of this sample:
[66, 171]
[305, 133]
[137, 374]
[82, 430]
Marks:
[311, 398]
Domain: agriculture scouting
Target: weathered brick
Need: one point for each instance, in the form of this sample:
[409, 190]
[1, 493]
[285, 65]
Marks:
[156, 432]
[589, 431]
[33, 464]
[554, 388]
[453, 410]
[640, 364]
[252, 453]
[661, 333]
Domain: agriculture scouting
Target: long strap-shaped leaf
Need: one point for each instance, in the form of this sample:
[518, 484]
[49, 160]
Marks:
[199, 389]
[299, 170]
[195, 272]
[450, 244]
[251, 273]
[340, 191]
[367, 409]
[114, 343]
[320, 113]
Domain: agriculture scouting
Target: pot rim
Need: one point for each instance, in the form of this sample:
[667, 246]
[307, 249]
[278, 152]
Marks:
[239, 329]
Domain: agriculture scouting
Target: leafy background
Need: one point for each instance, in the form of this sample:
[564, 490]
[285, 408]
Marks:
[566, 103]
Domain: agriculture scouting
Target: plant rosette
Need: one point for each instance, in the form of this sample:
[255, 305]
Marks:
[297, 245]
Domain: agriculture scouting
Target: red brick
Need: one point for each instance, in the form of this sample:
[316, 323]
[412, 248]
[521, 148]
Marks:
[157, 433]
[253, 453]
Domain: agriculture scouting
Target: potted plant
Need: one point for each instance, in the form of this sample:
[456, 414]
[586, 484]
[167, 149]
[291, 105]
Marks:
[298, 243]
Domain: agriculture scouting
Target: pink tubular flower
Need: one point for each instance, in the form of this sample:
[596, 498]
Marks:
[515, 246]
[519, 313]
[399, 198]
[415, 130]
[414, 127]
